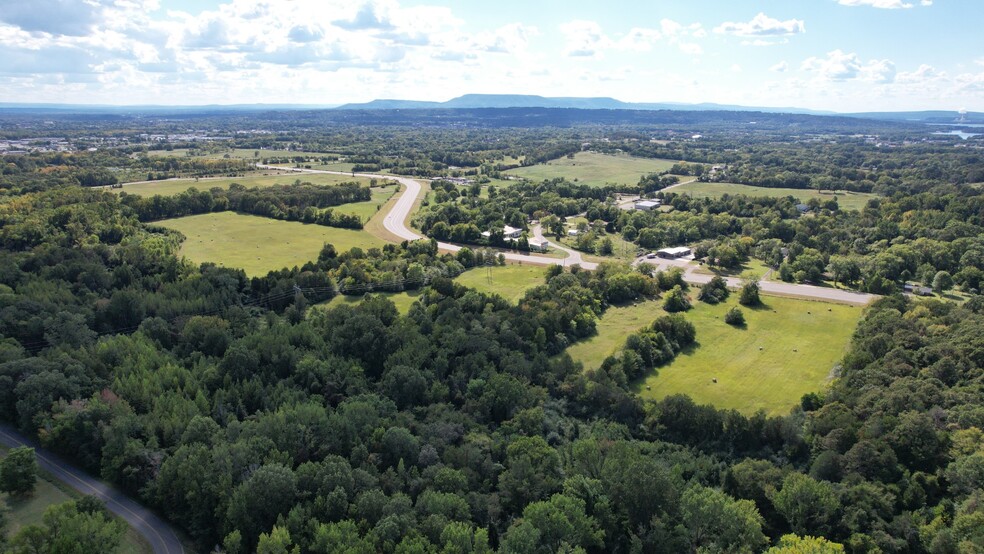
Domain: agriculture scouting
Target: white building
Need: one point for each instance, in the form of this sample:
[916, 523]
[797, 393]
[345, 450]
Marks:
[538, 245]
[511, 232]
[648, 205]
[675, 252]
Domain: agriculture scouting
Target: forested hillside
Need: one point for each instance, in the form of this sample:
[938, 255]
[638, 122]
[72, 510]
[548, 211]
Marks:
[257, 419]
[245, 417]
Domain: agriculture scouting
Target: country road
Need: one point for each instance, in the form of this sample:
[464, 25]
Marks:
[159, 534]
[395, 222]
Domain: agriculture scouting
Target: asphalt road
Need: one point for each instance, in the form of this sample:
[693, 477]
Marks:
[159, 534]
[395, 222]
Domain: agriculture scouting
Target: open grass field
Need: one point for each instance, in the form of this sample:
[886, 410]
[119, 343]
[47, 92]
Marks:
[29, 510]
[752, 269]
[258, 244]
[403, 300]
[509, 281]
[175, 186]
[770, 364]
[592, 168]
[237, 153]
[366, 210]
[846, 200]
[616, 323]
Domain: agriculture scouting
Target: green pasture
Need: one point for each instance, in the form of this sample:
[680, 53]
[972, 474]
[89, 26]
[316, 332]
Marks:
[509, 281]
[258, 244]
[175, 186]
[846, 200]
[788, 348]
[593, 168]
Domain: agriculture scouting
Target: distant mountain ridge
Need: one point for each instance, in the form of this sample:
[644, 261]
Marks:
[478, 101]
[482, 102]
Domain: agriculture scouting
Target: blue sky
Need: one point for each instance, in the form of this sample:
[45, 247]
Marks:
[841, 55]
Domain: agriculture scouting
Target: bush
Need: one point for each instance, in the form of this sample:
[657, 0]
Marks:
[734, 317]
[714, 291]
[749, 294]
[676, 300]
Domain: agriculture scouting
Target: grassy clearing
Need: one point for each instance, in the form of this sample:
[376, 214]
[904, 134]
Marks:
[595, 169]
[366, 210]
[48, 491]
[846, 200]
[616, 323]
[787, 349]
[509, 281]
[752, 269]
[258, 244]
[236, 153]
[403, 300]
[175, 186]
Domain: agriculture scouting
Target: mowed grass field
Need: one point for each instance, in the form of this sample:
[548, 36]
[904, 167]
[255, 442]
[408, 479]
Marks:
[29, 510]
[846, 200]
[366, 210]
[403, 300]
[787, 349]
[176, 186]
[258, 244]
[593, 168]
[769, 364]
[237, 153]
[510, 281]
[615, 324]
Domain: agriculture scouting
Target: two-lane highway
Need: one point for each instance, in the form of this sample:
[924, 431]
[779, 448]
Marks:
[160, 535]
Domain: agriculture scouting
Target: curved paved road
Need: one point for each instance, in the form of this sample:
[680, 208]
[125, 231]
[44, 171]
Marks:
[159, 534]
[395, 222]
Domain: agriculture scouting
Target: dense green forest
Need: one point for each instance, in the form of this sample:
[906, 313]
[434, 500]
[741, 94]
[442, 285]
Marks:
[255, 421]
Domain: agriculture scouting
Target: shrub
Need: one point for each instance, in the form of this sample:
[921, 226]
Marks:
[734, 317]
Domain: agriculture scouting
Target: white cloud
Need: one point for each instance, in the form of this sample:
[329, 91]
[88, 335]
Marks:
[764, 42]
[780, 67]
[923, 74]
[884, 4]
[841, 66]
[878, 71]
[587, 39]
[762, 26]
[584, 39]
[507, 39]
[639, 39]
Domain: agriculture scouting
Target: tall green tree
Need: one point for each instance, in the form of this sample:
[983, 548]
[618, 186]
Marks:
[18, 471]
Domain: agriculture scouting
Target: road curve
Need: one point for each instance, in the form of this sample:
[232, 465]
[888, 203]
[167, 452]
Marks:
[395, 222]
[159, 534]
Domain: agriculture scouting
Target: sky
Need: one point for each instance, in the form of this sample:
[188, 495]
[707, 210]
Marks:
[837, 55]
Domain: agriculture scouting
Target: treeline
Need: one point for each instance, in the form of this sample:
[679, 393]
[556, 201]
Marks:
[302, 202]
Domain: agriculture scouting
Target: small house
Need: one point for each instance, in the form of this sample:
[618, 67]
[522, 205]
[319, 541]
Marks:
[573, 232]
[648, 205]
[537, 245]
[511, 232]
[803, 208]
